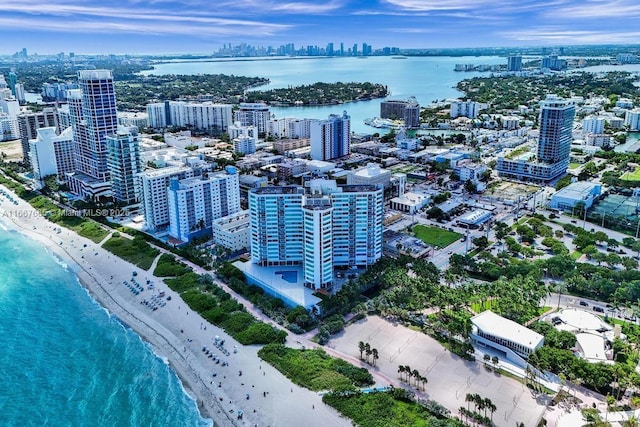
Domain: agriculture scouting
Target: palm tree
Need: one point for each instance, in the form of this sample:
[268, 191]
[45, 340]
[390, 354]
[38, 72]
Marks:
[486, 358]
[469, 398]
[361, 348]
[477, 401]
[416, 375]
[407, 370]
[401, 371]
[375, 355]
[492, 408]
[425, 381]
[495, 361]
[367, 350]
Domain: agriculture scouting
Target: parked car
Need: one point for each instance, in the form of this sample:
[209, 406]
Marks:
[584, 303]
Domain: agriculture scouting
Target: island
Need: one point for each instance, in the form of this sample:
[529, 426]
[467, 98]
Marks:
[319, 94]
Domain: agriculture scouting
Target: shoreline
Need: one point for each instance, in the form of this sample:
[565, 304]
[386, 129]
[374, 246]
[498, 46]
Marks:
[104, 299]
[177, 334]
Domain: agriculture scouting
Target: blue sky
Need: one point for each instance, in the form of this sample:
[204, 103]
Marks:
[201, 26]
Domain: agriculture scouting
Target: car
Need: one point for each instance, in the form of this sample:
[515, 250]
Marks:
[573, 221]
[598, 309]
[449, 253]
[584, 303]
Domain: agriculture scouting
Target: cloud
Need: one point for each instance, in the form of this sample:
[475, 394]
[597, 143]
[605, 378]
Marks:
[553, 35]
[149, 26]
[594, 9]
[101, 19]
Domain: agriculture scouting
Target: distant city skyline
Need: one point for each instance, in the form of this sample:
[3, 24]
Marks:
[198, 26]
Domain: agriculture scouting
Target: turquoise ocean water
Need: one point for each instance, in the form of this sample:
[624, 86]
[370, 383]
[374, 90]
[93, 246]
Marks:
[64, 361]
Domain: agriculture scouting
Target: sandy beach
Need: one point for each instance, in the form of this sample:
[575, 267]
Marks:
[178, 335]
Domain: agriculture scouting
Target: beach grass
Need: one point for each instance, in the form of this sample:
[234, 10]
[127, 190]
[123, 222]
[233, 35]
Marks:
[136, 251]
[314, 369]
[168, 266]
[389, 409]
[435, 236]
[86, 227]
[217, 306]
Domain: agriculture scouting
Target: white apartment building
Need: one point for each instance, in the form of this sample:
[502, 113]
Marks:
[196, 115]
[201, 116]
[232, 231]
[195, 202]
[51, 154]
[289, 127]
[468, 109]
[244, 138]
[469, 170]
[158, 115]
[152, 190]
[9, 128]
[253, 114]
[237, 130]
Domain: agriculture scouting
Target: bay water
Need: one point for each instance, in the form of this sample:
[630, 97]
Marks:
[427, 78]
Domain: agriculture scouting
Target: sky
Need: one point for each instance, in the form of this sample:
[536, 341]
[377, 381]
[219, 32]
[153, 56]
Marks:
[203, 26]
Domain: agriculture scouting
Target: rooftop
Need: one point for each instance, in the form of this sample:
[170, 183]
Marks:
[278, 190]
[579, 190]
[498, 326]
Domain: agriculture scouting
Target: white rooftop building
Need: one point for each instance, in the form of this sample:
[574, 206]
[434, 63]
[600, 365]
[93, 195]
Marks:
[514, 340]
[371, 174]
[409, 202]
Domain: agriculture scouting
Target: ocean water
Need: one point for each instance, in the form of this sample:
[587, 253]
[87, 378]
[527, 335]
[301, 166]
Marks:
[64, 361]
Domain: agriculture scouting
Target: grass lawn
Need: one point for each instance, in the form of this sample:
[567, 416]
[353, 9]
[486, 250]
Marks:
[575, 255]
[136, 251]
[314, 369]
[435, 236]
[574, 165]
[631, 176]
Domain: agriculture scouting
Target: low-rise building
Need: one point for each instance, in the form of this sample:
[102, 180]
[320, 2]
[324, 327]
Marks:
[581, 191]
[409, 202]
[475, 219]
[232, 231]
[371, 174]
[515, 341]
